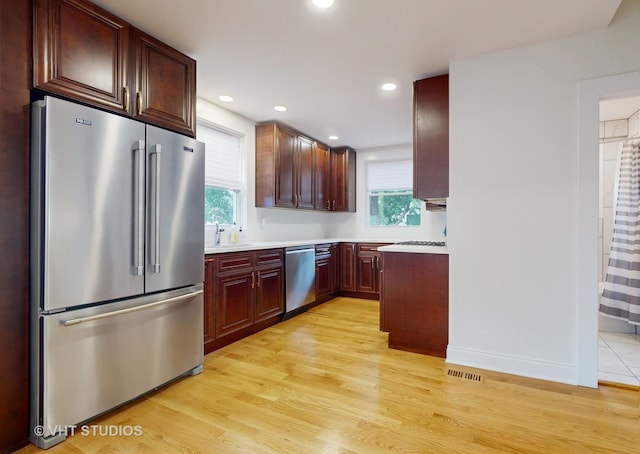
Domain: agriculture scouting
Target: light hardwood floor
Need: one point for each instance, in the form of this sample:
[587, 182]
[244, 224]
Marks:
[325, 382]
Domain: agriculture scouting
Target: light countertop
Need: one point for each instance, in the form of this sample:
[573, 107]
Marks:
[284, 244]
[414, 249]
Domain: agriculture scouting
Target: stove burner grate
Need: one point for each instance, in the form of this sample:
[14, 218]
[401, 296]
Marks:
[423, 243]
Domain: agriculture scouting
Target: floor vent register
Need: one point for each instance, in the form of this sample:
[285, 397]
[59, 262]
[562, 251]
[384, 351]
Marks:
[465, 375]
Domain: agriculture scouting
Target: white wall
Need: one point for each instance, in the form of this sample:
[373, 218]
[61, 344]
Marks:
[262, 224]
[516, 173]
[273, 224]
[355, 225]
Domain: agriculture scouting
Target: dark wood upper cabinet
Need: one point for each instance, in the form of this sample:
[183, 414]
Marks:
[305, 173]
[322, 157]
[85, 53]
[343, 179]
[81, 52]
[296, 171]
[284, 168]
[165, 85]
[431, 138]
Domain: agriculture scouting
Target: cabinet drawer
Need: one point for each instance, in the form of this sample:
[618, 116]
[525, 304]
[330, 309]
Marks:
[235, 261]
[369, 247]
[323, 249]
[269, 257]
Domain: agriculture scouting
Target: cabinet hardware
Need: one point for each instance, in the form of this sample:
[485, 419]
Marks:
[253, 279]
[139, 102]
[91, 318]
[334, 205]
[328, 204]
[126, 98]
[259, 278]
[155, 208]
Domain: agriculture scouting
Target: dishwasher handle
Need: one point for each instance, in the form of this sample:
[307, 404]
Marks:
[299, 251]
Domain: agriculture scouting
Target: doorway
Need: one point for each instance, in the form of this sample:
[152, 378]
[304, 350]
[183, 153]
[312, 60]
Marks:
[591, 92]
[618, 341]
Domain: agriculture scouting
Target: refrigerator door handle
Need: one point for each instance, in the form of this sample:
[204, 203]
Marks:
[91, 318]
[138, 208]
[155, 210]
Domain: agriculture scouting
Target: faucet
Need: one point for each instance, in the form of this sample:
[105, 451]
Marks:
[217, 235]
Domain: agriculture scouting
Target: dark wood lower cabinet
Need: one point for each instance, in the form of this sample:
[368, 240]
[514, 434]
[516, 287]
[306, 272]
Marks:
[209, 300]
[360, 270]
[234, 303]
[327, 271]
[269, 293]
[244, 293]
[347, 267]
[415, 302]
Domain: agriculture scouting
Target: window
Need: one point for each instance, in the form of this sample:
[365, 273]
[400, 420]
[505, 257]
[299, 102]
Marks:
[390, 192]
[222, 175]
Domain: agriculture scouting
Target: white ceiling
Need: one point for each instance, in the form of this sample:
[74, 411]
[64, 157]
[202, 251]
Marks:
[327, 66]
[618, 109]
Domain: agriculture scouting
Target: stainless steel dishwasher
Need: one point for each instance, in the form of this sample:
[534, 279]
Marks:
[300, 278]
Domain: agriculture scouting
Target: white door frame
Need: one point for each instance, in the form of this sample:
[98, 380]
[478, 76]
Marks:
[591, 91]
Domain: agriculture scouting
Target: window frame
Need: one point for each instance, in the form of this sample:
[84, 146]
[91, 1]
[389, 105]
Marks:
[406, 190]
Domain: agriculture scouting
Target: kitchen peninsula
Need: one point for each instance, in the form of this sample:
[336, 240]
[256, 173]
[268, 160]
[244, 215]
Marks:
[414, 299]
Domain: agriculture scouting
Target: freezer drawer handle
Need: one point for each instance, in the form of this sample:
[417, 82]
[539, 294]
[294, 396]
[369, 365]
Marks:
[91, 318]
[155, 207]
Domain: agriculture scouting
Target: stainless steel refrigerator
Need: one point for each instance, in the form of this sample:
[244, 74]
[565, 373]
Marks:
[117, 244]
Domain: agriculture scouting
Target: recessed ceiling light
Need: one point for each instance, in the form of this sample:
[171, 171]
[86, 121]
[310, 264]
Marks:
[333, 137]
[225, 98]
[389, 86]
[280, 108]
[323, 3]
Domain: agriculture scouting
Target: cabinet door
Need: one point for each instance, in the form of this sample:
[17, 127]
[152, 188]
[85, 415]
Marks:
[335, 268]
[366, 273]
[81, 52]
[305, 173]
[322, 159]
[348, 267]
[285, 168]
[323, 276]
[431, 138]
[269, 293]
[165, 85]
[343, 179]
[209, 300]
[234, 302]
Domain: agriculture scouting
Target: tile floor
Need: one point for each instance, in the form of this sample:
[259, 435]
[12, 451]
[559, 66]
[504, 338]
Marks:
[619, 358]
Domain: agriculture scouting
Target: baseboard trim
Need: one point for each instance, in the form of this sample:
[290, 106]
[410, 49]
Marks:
[542, 370]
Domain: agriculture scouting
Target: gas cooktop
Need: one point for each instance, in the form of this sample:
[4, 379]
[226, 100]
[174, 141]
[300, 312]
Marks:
[423, 243]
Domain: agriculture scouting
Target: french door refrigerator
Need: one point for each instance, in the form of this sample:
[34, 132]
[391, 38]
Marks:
[117, 244]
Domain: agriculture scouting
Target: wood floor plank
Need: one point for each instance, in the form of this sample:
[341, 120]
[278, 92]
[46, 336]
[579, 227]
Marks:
[326, 382]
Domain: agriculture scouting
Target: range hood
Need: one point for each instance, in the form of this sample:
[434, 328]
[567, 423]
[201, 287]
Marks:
[435, 204]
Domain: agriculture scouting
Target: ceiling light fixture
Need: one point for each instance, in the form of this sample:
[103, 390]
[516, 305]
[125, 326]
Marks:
[280, 108]
[333, 137]
[323, 3]
[225, 98]
[389, 86]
